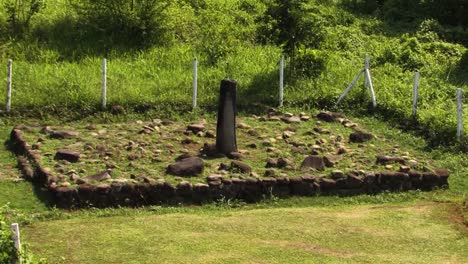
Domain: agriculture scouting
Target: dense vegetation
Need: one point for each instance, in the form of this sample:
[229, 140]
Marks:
[57, 47]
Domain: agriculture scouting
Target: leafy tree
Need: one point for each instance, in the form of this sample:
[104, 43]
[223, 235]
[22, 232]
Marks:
[293, 26]
[130, 22]
[19, 14]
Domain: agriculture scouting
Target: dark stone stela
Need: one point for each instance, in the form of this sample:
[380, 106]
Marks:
[226, 127]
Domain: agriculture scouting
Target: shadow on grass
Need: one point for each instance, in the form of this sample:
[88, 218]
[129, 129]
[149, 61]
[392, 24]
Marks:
[76, 38]
[39, 191]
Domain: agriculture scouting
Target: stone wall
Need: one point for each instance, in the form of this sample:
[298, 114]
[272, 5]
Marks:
[250, 189]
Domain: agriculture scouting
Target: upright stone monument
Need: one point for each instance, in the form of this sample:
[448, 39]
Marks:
[226, 127]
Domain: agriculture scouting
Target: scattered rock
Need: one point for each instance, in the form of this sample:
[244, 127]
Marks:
[404, 169]
[291, 119]
[187, 167]
[360, 137]
[241, 167]
[388, 159]
[284, 162]
[195, 128]
[314, 162]
[252, 145]
[187, 141]
[68, 155]
[271, 163]
[336, 174]
[330, 161]
[235, 155]
[63, 134]
[214, 177]
[270, 172]
[287, 134]
[253, 133]
[210, 134]
[341, 151]
[243, 126]
[104, 175]
[328, 116]
[209, 150]
[224, 167]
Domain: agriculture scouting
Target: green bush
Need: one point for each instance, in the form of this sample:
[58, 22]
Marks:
[138, 23]
[7, 249]
[310, 64]
[19, 14]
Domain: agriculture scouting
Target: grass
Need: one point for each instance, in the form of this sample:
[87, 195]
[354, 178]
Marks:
[106, 146]
[57, 80]
[413, 227]
[410, 233]
[51, 77]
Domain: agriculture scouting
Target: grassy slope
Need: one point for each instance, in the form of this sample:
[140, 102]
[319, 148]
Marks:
[47, 76]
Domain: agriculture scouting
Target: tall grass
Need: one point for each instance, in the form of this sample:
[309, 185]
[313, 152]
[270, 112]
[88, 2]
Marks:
[54, 74]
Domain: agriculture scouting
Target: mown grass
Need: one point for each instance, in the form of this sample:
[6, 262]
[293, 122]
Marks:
[413, 227]
[416, 233]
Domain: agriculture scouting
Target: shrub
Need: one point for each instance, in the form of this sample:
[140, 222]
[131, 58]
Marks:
[292, 25]
[310, 64]
[138, 23]
[7, 249]
[19, 14]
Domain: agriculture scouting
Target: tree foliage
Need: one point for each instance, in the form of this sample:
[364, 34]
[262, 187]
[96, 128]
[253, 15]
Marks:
[19, 14]
[133, 22]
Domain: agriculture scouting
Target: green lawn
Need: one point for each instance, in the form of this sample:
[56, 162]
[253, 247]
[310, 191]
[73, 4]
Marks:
[412, 227]
[420, 232]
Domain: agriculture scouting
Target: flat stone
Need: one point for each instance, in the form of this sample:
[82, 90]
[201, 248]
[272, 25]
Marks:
[291, 120]
[241, 167]
[235, 155]
[63, 134]
[314, 162]
[388, 159]
[270, 172]
[191, 166]
[195, 128]
[336, 174]
[243, 126]
[360, 137]
[68, 155]
[271, 163]
[287, 134]
[284, 162]
[104, 175]
[404, 169]
[330, 160]
[253, 133]
[329, 116]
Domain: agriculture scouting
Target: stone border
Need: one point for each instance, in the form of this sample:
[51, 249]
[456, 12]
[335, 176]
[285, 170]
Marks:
[250, 189]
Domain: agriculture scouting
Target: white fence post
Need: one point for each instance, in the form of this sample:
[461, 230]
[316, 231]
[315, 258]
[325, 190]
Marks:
[9, 82]
[366, 66]
[16, 239]
[351, 85]
[195, 84]
[415, 94]
[460, 114]
[281, 81]
[104, 83]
